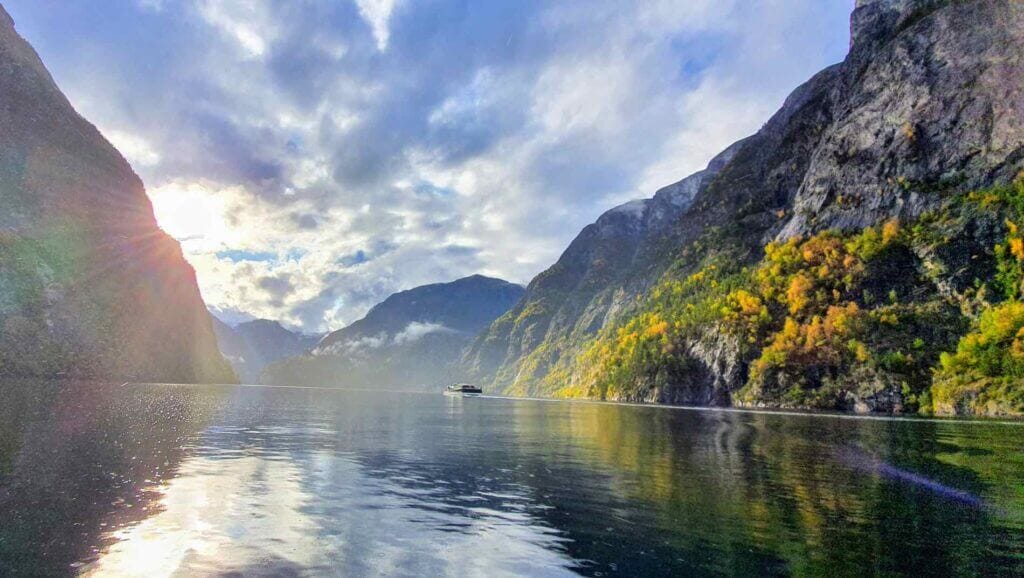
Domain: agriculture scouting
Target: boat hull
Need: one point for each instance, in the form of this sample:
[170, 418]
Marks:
[463, 393]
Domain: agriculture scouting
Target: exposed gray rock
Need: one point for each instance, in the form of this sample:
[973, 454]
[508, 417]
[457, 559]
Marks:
[930, 100]
[709, 369]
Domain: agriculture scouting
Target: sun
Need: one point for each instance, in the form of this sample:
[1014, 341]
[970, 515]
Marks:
[193, 214]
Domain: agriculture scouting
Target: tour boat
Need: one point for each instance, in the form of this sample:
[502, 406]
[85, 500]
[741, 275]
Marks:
[463, 389]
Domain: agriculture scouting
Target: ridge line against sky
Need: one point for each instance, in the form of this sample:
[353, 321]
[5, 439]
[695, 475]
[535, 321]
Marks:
[315, 156]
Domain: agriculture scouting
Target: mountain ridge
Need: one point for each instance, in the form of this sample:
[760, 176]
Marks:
[410, 340]
[596, 264]
[252, 345]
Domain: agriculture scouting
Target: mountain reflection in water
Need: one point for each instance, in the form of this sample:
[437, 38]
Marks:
[155, 480]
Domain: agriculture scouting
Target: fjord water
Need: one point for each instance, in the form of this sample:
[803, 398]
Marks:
[161, 479]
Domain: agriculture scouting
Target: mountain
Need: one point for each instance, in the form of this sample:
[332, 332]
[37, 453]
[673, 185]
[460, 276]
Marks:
[592, 281]
[253, 345]
[89, 284]
[408, 341]
[859, 252]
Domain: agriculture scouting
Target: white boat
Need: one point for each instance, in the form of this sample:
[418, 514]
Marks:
[463, 390]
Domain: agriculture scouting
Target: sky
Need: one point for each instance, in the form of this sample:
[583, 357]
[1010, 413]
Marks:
[315, 156]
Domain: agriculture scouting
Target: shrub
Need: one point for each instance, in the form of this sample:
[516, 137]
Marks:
[986, 373]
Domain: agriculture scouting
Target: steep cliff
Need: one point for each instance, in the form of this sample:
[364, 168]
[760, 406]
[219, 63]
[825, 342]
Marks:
[89, 284]
[411, 340]
[592, 281]
[928, 105]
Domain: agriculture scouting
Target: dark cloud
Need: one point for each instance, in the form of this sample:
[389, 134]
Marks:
[357, 258]
[278, 287]
[306, 221]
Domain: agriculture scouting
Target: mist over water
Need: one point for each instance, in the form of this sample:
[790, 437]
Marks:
[152, 480]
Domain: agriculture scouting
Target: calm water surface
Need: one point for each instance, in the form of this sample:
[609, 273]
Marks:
[154, 480]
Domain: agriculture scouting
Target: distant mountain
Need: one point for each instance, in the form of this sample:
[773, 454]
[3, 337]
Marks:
[89, 284]
[408, 341]
[253, 345]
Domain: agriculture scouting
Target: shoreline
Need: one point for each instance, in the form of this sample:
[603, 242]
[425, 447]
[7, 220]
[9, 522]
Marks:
[1006, 421]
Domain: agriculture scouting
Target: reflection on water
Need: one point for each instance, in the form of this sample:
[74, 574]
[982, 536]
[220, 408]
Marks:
[205, 509]
[162, 480]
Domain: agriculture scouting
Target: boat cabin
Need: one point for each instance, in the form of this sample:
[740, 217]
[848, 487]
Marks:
[463, 388]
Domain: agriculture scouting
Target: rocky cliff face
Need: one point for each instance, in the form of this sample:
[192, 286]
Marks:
[408, 341]
[930, 99]
[929, 104]
[89, 285]
[592, 281]
[251, 346]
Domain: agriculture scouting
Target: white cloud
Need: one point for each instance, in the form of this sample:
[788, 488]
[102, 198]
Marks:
[354, 347]
[360, 346]
[589, 95]
[260, 259]
[247, 22]
[417, 330]
[136, 149]
[377, 14]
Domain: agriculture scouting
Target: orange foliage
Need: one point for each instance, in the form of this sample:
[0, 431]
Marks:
[798, 293]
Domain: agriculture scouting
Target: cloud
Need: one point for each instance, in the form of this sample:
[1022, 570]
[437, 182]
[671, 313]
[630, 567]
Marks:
[359, 148]
[354, 347]
[363, 345]
[139, 152]
[417, 330]
[377, 13]
[278, 287]
[247, 22]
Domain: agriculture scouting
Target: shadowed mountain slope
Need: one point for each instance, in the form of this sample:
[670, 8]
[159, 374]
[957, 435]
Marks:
[253, 345]
[409, 341]
[89, 284]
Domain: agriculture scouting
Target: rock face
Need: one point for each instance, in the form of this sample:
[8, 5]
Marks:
[408, 341]
[89, 284]
[929, 97]
[253, 345]
[592, 280]
[929, 103]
